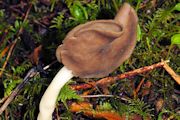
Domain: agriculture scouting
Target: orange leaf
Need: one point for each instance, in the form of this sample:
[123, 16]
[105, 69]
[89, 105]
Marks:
[86, 108]
[159, 104]
[34, 56]
[77, 107]
[109, 115]
[2, 54]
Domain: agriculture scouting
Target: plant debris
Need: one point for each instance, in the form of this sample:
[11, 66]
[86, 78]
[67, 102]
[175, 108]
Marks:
[144, 87]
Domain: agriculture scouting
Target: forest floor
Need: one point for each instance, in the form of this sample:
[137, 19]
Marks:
[30, 32]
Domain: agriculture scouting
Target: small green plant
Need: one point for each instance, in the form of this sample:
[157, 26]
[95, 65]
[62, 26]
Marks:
[105, 106]
[176, 7]
[139, 33]
[175, 40]
[19, 24]
[19, 70]
[53, 2]
[10, 84]
[67, 94]
[1, 13]
[78, 11]
[134, 106]
[172, 115]
[158, 38]
[57, 21]
[33, 88]
[13, 80]
[139, 107]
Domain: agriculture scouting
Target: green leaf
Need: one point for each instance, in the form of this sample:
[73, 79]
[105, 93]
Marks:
[9, 85]
[57, 21]
[175, 39]
[106, 106]
[67, 93]
[78, 11]
[53, 2]
[2, 13]
[177, 7]
[139, 33]
[17, 24]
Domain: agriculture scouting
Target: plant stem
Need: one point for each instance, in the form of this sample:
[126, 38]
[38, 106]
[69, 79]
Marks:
[48, 101]
[115, 5]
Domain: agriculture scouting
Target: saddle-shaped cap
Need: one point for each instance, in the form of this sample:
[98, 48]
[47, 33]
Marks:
[97, 48]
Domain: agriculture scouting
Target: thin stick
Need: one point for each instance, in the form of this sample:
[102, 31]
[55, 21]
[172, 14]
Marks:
[14, 43]
[172, 73]
[111, 80]
[3, 99]
[95, 96]
[138, 88]
[32, 72]
[7, 58]
[83, 86]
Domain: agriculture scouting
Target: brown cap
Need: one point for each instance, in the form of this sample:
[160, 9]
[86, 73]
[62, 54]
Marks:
[97, 48]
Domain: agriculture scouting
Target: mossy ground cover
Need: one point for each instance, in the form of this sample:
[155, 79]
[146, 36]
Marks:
[30, 32]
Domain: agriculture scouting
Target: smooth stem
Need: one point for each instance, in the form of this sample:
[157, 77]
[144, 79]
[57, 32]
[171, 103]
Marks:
[48, 100]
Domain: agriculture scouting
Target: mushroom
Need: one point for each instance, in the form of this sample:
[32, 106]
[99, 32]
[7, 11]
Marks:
[92, 50]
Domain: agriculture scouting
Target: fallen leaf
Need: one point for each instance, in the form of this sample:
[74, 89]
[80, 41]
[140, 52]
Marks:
[146, 88]
[77, 107]
[3, 53]
[159, 104]
[34, 56]
[88, 110]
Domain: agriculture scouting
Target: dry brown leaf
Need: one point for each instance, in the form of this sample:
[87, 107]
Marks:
[108, 115]
[146, 88]
[77, 107]
[88, 110]
[159, 104]
[34, 56]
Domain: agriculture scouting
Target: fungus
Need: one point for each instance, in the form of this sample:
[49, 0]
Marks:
[92, 50]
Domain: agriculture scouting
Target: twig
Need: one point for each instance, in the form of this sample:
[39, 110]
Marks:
[3, 99]
[95, 96]
[110, 80]
[87, 92]
[14, 43]
[138, 88]
[7, 58]
[172, 73]
[83, 86]
[14, 8]
[32, 72]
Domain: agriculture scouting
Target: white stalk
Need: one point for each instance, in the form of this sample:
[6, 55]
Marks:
[48, 100]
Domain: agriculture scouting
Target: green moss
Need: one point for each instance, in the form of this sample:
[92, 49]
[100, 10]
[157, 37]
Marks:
[158, 38]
